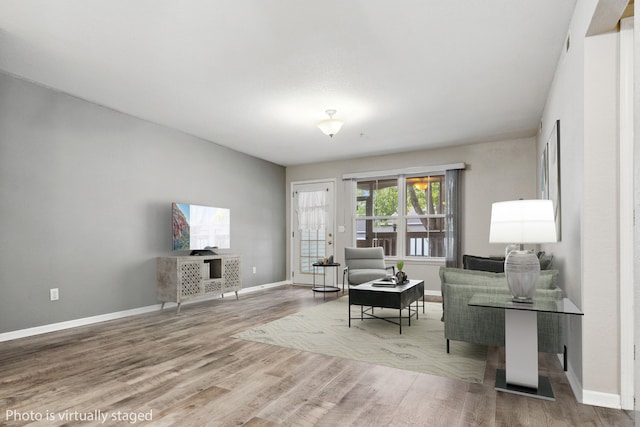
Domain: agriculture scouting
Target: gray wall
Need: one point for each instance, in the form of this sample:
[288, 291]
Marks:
[85, 205]
[495, 171]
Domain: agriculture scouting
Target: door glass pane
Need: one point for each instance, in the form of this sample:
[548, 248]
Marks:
[312, 248]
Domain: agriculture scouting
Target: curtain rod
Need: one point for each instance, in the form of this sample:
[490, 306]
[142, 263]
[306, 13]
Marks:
[403, 171]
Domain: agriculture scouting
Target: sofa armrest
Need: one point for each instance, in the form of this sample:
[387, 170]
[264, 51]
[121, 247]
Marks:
[462, 322]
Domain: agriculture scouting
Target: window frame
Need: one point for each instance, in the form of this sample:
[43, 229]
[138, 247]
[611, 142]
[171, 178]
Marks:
[402, 240]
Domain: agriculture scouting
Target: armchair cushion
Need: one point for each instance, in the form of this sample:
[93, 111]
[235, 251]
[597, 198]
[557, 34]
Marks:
[365, 275]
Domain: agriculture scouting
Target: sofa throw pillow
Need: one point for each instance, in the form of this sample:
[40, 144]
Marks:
[472, 262]
[496, 264]
[545, 260]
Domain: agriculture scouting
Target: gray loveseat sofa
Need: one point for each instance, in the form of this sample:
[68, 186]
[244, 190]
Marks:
[485, 326]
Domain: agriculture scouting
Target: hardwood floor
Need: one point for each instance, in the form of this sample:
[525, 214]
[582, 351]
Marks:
[185, 370]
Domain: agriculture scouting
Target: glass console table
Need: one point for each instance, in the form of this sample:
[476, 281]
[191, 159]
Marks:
[520, 375]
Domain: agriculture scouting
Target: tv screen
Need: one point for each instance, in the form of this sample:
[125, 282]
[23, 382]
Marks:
[200, 227]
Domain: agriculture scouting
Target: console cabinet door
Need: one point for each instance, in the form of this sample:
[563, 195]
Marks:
[190, 279]
[231, 273]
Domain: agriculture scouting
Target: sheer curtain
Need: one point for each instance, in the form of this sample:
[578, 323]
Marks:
[312, 210]
[452, 218]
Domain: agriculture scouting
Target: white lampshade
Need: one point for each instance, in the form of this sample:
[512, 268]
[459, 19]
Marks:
[330, 126]
[522, 221]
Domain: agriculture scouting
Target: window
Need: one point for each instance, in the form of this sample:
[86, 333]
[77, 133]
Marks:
[424, 217]
[377, 214]
[403, 215]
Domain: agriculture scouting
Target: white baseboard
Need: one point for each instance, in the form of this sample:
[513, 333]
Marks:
[267, 286]
[606, 400]
[44, 329]
[575, 384]
[589, 397]
[38, 330]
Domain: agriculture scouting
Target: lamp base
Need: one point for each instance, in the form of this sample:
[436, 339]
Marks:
[522, 269]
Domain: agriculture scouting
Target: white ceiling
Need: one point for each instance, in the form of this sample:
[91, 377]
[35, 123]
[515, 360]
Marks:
[257, 75]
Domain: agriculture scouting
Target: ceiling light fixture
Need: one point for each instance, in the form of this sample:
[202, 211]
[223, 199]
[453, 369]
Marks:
[330, 126]
[422, 184]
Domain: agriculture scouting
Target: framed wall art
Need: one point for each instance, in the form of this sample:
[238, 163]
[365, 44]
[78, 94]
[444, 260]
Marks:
[552, 154]
[544, 175]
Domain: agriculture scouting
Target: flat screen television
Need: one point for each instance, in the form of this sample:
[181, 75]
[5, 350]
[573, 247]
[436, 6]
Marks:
[198, 227]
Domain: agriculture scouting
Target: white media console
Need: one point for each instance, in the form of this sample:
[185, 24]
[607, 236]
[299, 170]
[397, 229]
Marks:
[181, 278]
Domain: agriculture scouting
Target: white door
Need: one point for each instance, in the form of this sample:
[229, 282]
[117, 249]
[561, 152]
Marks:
[312, 242]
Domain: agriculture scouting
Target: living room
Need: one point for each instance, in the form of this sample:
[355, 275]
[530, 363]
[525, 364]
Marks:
[89, 190]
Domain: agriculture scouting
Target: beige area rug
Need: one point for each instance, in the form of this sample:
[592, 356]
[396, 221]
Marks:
[421, 347]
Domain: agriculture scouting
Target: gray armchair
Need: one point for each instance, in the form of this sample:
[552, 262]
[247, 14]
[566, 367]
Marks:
[364, 265]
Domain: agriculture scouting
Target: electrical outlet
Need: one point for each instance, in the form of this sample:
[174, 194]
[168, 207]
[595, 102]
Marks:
[54, 295]
[254, 270]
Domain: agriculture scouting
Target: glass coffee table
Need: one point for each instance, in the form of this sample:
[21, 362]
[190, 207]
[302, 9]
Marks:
[520, 375]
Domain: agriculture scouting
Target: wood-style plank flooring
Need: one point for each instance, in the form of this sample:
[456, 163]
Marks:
[185, 370]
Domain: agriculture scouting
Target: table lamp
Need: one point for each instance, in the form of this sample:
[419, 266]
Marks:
[520, 222]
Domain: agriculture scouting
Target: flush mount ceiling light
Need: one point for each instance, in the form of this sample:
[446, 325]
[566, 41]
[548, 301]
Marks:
[330, 126]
